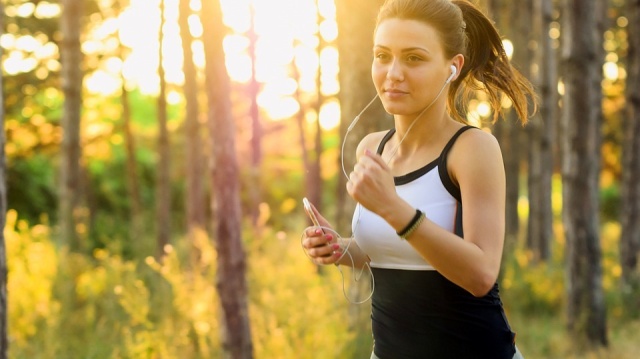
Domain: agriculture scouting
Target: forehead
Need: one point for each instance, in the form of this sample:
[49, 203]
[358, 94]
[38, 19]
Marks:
[401, 33]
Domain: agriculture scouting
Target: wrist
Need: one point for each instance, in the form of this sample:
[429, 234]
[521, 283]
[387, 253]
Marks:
[412, 226]
[398, 215]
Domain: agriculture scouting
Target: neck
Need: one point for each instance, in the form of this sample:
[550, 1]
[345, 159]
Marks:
[414, 130]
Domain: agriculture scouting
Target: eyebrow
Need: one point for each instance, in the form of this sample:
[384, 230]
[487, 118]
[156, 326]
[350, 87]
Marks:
[409, 49]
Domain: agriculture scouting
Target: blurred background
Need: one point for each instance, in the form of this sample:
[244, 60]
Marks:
[156, 153]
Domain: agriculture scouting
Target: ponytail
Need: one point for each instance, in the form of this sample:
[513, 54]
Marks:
[487, 68]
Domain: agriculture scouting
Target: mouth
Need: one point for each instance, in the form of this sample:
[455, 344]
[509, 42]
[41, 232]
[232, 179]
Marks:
[393, 91]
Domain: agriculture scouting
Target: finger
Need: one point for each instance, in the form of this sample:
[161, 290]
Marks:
[376, 159]
[313, 231]
[330, 259]
[323, 221]
[353, 176]
[317, 239]
[324, 251]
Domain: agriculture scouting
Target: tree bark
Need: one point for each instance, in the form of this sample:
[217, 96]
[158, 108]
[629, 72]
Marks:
[581, 171]
[302, 137]
[253, 88]
[630, 236]
[355, 41]
[132, 166]
[163, 180]
[133, 185]
[4, 305]
[231, 282]
[506, 131]
[314, 174]
[71, 77]
[195, 202]
[540, 225]
[356, 23]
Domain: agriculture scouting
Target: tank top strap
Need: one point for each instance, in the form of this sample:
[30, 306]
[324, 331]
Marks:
[384, 141]
[442, 165]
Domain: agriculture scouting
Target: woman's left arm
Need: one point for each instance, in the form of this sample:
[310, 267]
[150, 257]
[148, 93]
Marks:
[475, 164]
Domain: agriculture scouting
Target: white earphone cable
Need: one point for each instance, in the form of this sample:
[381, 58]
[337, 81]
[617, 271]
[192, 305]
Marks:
[345, 249]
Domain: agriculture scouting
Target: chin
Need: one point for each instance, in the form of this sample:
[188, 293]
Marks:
[396, 110]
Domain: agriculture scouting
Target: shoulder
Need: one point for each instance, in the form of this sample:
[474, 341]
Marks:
[475, 152]
[477, 139]
[370, 142]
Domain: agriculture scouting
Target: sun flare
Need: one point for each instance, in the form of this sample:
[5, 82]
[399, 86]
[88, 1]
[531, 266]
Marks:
[286, 34]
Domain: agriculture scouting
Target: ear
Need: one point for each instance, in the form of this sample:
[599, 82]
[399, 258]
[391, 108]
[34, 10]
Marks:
[456, 62]
[454, 71]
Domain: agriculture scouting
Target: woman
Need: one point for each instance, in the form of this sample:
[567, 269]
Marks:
[431, 191]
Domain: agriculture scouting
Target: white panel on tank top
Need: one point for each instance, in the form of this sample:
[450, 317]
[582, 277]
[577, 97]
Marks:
[380, 241]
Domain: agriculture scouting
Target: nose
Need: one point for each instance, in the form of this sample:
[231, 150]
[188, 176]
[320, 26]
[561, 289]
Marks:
[394, 72]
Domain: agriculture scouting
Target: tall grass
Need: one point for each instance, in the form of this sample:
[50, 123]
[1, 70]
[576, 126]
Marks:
[70, 305]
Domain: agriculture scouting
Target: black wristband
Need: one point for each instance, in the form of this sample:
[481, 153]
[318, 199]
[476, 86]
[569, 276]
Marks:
[410, 227]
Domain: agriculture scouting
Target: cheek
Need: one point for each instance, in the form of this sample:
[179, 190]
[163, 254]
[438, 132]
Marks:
[377, 75]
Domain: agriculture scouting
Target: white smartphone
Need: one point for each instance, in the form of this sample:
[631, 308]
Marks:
[309, 210]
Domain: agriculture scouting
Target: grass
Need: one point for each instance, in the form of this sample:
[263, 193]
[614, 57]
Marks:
[545, 337]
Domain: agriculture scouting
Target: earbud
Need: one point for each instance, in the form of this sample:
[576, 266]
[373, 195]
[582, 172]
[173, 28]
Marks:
[454, 71]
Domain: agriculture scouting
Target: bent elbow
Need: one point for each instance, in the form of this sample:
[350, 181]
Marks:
[483, 285]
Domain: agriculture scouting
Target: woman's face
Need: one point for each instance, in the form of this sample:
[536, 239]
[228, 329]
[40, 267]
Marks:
[409, 66]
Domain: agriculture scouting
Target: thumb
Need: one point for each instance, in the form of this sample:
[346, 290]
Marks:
[377, 159]
[323, 221]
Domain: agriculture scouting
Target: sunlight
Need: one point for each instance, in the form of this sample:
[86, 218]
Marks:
[330, 115]
[329, 75]
[483, 109]
[47, 10]
[27, 43]
[278, 107]
[237, 60]
[610, 70]
[103, 83]
[235, 14]
[287, 40]
[508, 48]
[26, 9]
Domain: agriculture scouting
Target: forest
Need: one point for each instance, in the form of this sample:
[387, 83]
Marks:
[155, 153]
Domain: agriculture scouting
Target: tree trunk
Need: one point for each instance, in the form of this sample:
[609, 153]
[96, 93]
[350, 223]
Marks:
[163, 184]
[4, 306]
[132, 166]
[356, 22]
[581, 171]
[133, 186]
[71, 77]
[506, 131]
[195, 202]
[302, 137]
[256, 127]
[630, 236]
[355, 41]
[314, 182]
[231, 282]
[540, 225]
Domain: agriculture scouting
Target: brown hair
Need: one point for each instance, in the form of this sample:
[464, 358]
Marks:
[465, 30]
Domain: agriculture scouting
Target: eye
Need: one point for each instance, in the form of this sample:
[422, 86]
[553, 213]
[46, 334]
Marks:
[382, 56]
[413, 58]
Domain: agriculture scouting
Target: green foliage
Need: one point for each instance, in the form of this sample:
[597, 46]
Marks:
[610, 203]
[103, 305]
[31, 184]
[69, 305]
[295, 312]
[533, 287]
